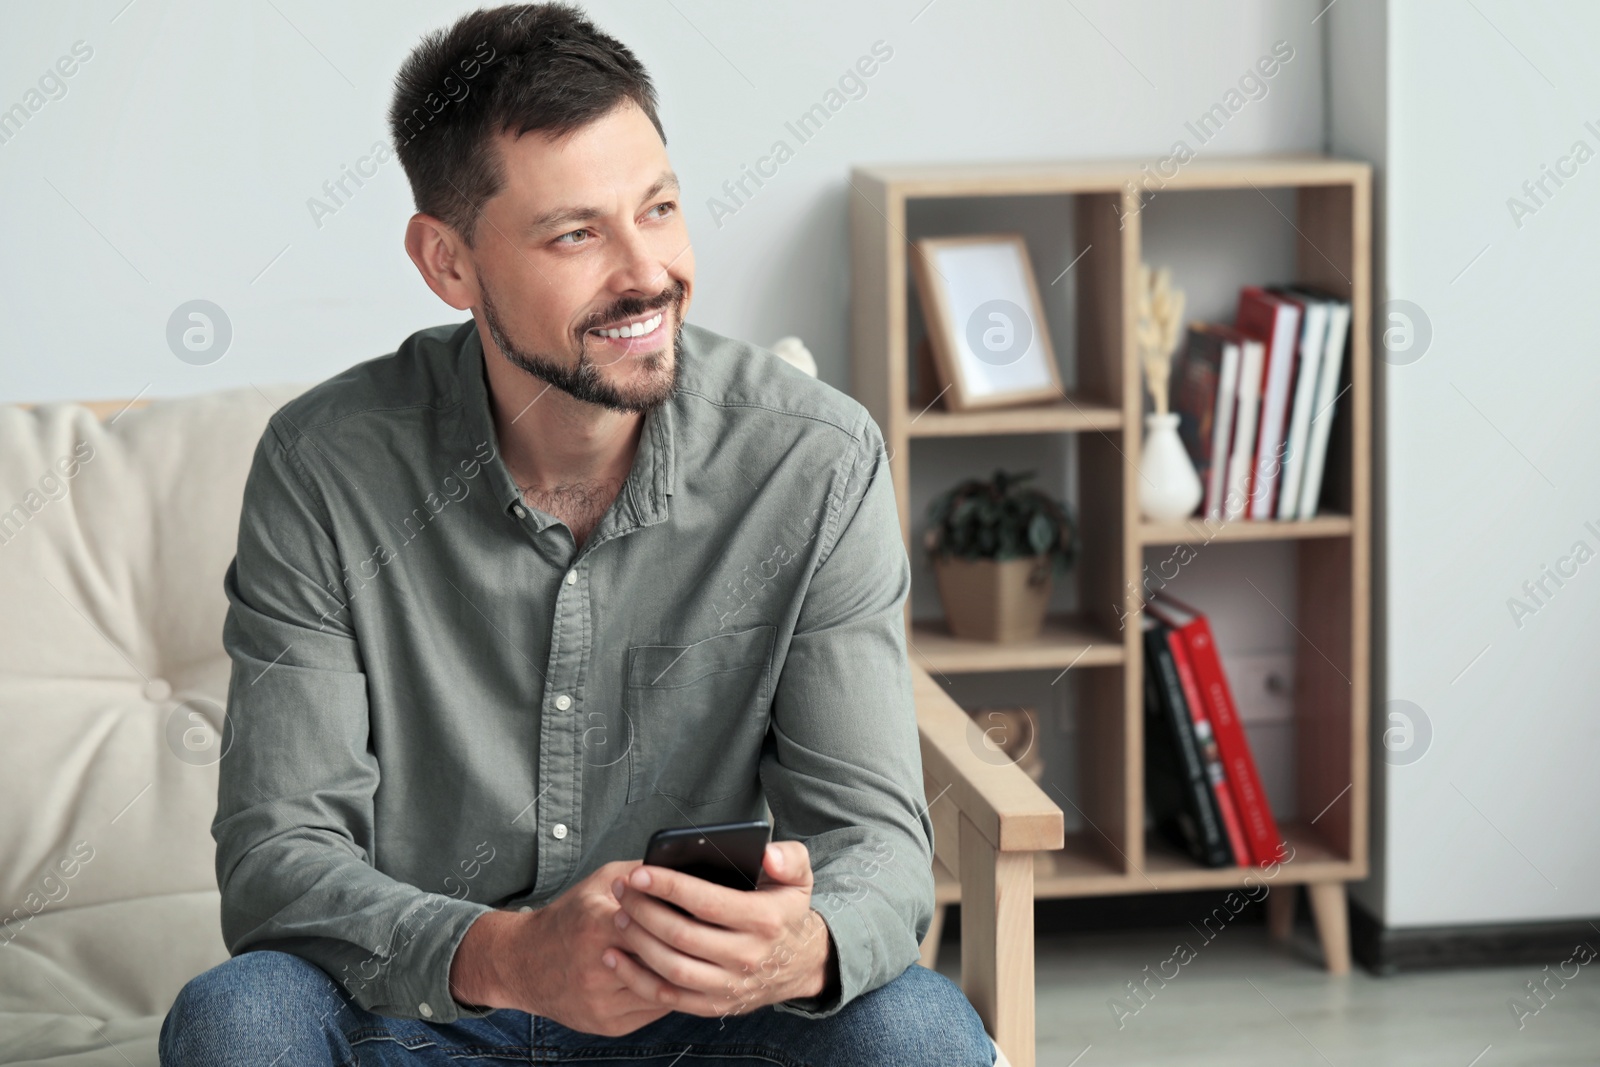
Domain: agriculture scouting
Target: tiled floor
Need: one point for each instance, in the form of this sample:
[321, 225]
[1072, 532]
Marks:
[1243, 1000]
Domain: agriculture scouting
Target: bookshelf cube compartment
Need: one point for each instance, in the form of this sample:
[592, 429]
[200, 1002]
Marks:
[1279, 617]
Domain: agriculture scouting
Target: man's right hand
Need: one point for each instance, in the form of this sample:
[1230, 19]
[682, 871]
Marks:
[548, 962]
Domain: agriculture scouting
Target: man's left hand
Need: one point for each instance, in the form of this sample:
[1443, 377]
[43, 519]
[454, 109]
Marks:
[736, 950]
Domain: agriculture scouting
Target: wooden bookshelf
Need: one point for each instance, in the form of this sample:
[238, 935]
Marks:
[1198, 531]
[1066, 641]
[1103, 406]
[1072, 414]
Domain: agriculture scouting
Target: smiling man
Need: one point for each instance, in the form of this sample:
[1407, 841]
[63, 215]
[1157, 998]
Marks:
[535, 585]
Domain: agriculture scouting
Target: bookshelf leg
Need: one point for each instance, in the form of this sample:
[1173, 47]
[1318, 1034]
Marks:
[1280, 911]
[930, 943]
[1333, 924]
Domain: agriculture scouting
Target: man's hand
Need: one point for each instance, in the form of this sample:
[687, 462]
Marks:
[736, 950]
[549, 962]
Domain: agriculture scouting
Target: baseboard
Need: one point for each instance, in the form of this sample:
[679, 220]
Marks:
[1380, 949]
[1386, 950]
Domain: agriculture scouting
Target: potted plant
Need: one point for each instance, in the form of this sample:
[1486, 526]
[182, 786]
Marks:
[995, 546]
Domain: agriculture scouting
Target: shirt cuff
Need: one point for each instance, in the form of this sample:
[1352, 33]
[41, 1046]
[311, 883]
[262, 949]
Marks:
[419, 977]
[852, 951]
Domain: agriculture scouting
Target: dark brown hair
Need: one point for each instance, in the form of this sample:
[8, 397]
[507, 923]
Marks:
[511, 69]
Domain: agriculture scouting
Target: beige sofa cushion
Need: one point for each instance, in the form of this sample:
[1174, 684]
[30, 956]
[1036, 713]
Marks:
[113, 542]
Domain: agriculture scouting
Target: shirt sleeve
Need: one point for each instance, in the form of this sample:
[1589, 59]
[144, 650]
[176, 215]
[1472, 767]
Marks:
[294, 825]
[845, 771]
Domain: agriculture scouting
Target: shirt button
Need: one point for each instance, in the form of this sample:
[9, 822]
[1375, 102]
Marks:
[520, 511]
[426, 1012]
[572, 577]
[563, 702]
[559, 830]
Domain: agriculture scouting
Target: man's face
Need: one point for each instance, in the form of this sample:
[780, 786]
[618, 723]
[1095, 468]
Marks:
[585, 239]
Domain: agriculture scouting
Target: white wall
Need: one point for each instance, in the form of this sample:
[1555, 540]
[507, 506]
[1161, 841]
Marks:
[180, 160]
[1492, 464]
[1356, 42]
[179, 164]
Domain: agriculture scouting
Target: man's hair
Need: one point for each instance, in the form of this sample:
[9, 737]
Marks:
[511, 69]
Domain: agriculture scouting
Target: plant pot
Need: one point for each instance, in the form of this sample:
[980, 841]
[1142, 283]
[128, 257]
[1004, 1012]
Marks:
[994, 600]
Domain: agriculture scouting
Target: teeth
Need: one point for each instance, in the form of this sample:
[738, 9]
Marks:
[638, 329]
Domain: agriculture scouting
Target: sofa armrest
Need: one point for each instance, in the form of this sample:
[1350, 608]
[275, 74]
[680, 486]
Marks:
[1005, 806]
[989, 818]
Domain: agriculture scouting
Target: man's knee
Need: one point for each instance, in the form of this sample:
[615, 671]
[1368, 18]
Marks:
[921, 1017]
[273, 1001]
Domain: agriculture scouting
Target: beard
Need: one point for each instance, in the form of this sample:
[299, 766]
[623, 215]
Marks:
[584, 381]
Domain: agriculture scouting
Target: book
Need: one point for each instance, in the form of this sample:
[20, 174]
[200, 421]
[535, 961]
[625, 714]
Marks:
[1247, 411]
[1292, 379]
[1250, 799]
[1206, 744]
[1178, 792]
[1313, 339]
[1275, 321]
[1206, 383]
[1322, 408]
[1167, 799]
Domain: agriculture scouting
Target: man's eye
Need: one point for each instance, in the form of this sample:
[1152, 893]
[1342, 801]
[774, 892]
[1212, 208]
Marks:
[574, 233]
[668, 205]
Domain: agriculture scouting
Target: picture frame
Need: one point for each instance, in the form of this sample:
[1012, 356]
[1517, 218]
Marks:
[986, 324]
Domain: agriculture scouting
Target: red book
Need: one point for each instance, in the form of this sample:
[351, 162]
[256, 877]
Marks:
[1210, 754]
[1275, 321]
[1192, 629]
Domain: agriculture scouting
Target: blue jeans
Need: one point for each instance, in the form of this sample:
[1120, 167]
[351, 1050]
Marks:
[273, 1008]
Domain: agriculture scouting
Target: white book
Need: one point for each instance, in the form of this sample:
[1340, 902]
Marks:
[1322, 415]
[1242, 455]
[1222, 428]
[1313, 338]
[1274, 409]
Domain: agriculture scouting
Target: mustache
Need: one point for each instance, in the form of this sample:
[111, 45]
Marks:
[629, 307]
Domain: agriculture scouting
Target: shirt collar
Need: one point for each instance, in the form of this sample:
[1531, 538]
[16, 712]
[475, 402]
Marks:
[649, 483]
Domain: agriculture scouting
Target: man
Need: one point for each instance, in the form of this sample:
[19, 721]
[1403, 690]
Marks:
[510, 599]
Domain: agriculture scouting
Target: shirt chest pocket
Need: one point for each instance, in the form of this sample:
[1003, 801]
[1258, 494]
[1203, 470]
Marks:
[699, 715]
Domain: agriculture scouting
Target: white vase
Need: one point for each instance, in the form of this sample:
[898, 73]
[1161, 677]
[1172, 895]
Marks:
[1169, 488]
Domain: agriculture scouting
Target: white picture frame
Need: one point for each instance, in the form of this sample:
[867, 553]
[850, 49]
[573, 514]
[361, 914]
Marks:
[986, 324]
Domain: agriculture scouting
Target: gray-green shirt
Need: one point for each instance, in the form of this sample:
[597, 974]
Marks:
[440, 706]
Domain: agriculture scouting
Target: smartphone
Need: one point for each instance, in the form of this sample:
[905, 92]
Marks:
[726, 853]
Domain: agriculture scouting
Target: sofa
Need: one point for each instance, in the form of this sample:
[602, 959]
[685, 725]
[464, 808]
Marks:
[114, 536]
[117, 523]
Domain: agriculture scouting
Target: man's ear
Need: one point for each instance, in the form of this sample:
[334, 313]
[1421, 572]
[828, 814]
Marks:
[438, 253]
